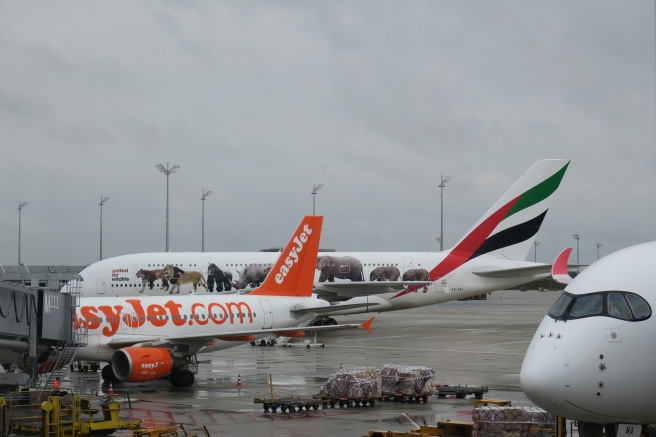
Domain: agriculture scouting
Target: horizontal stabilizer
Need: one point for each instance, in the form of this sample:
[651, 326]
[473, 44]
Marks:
[339, 291]
[332, 308]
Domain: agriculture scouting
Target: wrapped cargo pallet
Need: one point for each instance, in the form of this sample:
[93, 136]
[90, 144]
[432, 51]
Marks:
[353, 384]
[494, 421]
[407, 380]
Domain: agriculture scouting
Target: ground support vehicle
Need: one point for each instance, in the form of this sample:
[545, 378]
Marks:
[345, 401]
[270, 340]
[59, 413]
[288, 404]
[497, 402]
[444, 428]
[405, 398]
[85, 366]
[295, 342]
[304, 343]
[460, 392]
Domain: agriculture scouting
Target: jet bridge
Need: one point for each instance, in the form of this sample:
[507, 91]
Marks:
[32, 324]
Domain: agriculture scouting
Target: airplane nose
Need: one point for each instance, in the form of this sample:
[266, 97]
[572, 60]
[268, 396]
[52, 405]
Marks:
[546, 377]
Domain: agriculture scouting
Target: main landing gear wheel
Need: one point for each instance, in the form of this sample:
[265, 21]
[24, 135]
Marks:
[108, 374]
[184, 378]
[325, 321]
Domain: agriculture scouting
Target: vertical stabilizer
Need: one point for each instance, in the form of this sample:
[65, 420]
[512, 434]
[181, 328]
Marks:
[293, 273]
[508, 229]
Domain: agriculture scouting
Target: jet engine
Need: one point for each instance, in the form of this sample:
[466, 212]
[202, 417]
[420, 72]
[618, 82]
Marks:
[140, 364]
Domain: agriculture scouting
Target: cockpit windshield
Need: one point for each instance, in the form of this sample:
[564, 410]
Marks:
[616, 304]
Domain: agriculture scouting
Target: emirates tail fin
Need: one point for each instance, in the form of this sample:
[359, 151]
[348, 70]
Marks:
[508, 229]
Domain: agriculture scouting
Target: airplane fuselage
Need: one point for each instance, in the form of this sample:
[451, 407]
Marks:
[598, 382]
[150, 318]
[117, 276]
[592, 357]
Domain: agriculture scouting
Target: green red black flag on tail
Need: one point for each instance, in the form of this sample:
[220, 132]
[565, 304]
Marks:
[481, 239]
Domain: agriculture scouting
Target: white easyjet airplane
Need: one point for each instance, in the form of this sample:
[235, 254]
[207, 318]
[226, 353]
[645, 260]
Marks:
[592, 357]
[151, 337]
[491, 256]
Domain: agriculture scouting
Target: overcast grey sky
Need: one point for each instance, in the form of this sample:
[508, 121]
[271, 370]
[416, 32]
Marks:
[258, 101]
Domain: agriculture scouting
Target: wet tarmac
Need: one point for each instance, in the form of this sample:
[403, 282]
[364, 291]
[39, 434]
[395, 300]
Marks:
[474, 343]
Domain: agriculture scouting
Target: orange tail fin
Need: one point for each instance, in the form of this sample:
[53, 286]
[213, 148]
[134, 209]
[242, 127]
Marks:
[293, 273]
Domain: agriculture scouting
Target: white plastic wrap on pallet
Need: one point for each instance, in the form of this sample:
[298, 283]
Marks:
[492, 421]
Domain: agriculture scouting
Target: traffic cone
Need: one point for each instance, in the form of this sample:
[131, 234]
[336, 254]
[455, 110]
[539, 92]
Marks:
[239, 380]
[110, 392]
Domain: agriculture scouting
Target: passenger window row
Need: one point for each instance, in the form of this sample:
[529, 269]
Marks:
[181, 317]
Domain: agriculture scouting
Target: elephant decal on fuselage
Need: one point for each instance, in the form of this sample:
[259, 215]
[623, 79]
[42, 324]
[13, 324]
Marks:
[343, 267]
[385, 273]
[416, 275]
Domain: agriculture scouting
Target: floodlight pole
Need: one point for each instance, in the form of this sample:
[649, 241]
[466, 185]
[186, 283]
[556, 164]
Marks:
[167, 171]
[314, 192]
[205, 195]
[576, 237]
[598, 246]
[102, 202]
[443, 181]
[21, 204]
[536, 244]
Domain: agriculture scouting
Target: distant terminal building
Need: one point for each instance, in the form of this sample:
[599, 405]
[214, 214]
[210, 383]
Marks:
[41, 278]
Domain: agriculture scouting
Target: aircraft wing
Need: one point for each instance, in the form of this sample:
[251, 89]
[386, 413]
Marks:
[121, 342]
[248, 335]
[338, 291]
[333, 308]
[196, 342]
[537, 270]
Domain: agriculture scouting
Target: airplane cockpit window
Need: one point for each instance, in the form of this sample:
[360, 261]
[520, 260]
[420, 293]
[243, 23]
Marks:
[639, 306]
[615, 304]
[558, 309]
[587, 305]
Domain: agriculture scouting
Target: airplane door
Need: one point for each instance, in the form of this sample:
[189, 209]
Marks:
[129, 322]
[100, 286]
[344, 267]
[268, 314]
[205, 264]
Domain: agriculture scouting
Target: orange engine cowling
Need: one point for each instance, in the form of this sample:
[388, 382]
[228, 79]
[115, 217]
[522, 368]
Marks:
[140, 364]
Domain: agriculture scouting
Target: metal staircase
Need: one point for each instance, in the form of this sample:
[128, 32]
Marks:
[63, 353]
[61, 358]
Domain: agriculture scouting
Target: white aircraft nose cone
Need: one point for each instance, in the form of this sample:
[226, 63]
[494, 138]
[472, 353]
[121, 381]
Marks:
[545, 376]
